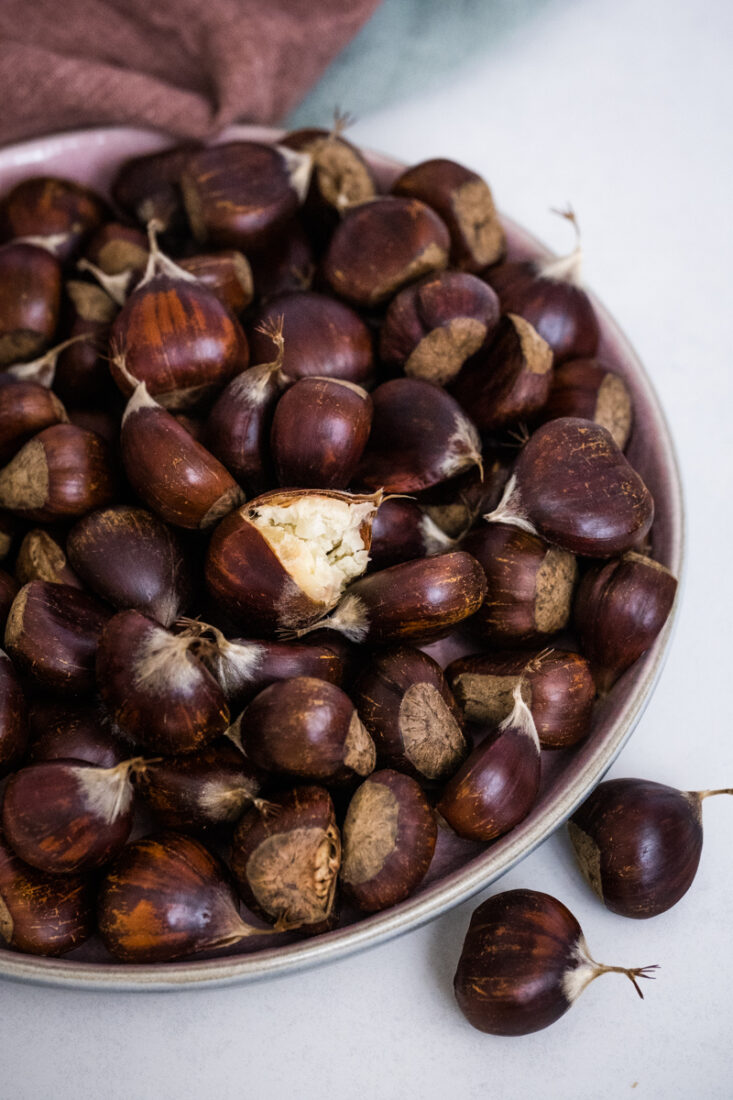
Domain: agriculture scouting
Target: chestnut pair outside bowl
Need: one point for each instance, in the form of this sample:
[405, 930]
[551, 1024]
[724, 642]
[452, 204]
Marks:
[460, 869]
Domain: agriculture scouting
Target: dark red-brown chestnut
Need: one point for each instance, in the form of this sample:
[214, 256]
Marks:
[589, 389]
[147, 187]
[287, 264]
[8, 592]
[58, 214]
[82, 372]
[401, 532]
[26, 408]
[455, 505]
[226, 273]
[13, 717]
[30, 297]
[116, 249]
[74, 732]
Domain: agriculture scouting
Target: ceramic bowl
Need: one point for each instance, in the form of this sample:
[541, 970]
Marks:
[459, 869]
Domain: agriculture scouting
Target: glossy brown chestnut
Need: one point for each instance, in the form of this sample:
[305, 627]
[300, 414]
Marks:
[155, 689]
[132, 560]
[524, 963]
[319, 431]
[287, 264]
[420, 436]
[340, 178]
[557, 687]
[573, 486]
[465, 203]
[59, 214]
[30, 296]
[381, 246]
[42, 914]
[322, 337]
[498, 784]
[13, 717]
[177, 478]
[8, 592]
[401, 532]
[509, 380]
[389, 840]
[417, 601]
[639, 844]
[26, 408]
[77, 732]
[307, 729]
[284, 559]
[432, 327]
[167, 896]
[203, 790]
[227, 274]
[64, 816]
[530, 585]
[240, 194]
[61, 473]
[587, 388]
[52, 635]
[147, 186]
[408, 708]
[286, 857]
[116, 249]
[82, 372]
[620, 608]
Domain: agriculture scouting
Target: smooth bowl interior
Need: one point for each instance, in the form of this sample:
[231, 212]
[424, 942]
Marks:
[460, 868]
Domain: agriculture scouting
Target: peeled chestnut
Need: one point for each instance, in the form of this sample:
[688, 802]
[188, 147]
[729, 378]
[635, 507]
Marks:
[61, 473]
[42, 914]
[132, 560]
[407, 706]
[13, 717]
[81, 732]
[619, 610]
[167, 896]
[64, 816]
[319, 431]
[52, 635]
[588, 389]
[58, 214]
[147, 186]
[389, 840]
[227, 274]
[30, 296]
[26, 408]
[524, 963]
[401, 532]
[420, 436]
[529, 585]
[557, 687]
[509, 380]
[307, 729]
[465, 203]
[383, 245]
[572, 485]
[155, 689]
[41, 558]
[639, 844]
[284, 559]
[285, 858]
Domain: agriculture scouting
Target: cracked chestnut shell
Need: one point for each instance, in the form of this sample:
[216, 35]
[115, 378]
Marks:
[285, 858]
[588, 389]
[61, 212]
[389, 838]
[30, 297]
[13, 716]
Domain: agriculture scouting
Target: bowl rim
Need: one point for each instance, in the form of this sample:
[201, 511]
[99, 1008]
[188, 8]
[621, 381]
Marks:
[458, 886]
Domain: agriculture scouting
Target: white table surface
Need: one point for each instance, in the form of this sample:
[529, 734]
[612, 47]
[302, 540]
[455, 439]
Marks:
[623, 107]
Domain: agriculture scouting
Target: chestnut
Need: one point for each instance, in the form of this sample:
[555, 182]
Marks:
[240, 194]
[116, 249]
[408, 708]
[340, 177]
[58, 214]
[61, 473]
[557, 687]
[287, 264]
[64, 816]
[41, 558]
[417, 601]
[42, 914]
[81, 732]
[509, 380]
[465, 203]
[455, 505]
[8, 592]
[284, 559]
[13, 717]
[132, 560]
[155, 689]
[620, 609]
[432, 327]
[147, 186]
[26, 408]
[175, 476]
[319, 431]
[524, 962]
[307, 729]
[420, 436]
[530, 585]
[322, 337]
[167, 896]
[227, 274]
[82, 371]
[8, 527]
[401, 532]
[587, 388]
[573, 486]
[52, 635]
[30, 297]
[285, 859]
[381, 246]
[389, 839]
[498, 784]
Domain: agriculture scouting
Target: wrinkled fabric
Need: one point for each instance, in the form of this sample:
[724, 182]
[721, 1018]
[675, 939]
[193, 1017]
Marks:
[189, 67]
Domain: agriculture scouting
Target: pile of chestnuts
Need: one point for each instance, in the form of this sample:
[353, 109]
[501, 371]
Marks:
[266, 432]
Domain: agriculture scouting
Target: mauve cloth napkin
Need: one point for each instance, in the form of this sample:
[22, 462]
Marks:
[186, 66]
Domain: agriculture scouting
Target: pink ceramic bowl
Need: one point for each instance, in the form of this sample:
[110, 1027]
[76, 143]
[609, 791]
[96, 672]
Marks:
[459, 869]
